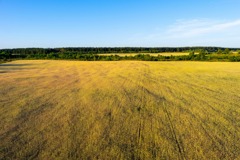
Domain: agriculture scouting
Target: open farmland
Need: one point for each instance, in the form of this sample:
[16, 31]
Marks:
[151, 54]
[119, 110]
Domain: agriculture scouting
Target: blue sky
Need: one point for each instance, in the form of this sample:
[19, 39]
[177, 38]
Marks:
[119, 23]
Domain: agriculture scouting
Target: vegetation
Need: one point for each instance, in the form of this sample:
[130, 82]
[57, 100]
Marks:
[27, 51]
[151, 54]
[115, 54]
[119, 110]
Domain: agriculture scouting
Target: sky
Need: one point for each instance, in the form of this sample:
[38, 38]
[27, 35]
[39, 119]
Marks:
[119, 23]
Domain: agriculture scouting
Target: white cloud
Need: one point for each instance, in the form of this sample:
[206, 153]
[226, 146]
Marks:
[195, 32]
[193, 28]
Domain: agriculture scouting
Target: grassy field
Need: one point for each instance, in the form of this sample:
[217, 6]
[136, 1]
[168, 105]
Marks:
[119, 110]
[151, 54]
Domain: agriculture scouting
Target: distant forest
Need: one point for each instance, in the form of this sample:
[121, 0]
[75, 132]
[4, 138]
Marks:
[94, 54]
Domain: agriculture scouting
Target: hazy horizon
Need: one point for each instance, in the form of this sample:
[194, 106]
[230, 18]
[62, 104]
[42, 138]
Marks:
[120, 23]
[123, 47]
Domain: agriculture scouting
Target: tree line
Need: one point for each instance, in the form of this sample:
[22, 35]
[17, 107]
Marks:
[92, 50]
[94, 54]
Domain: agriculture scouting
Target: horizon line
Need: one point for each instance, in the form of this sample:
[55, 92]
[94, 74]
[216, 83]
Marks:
[121, 47]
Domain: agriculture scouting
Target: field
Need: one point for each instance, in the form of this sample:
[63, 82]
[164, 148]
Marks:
[151, 54]
[119, 110]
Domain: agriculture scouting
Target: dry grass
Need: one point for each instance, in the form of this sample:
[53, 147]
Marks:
[119, 110]
[151, 54]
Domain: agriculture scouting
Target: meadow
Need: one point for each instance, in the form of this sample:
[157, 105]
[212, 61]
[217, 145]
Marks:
[119, 110]
[151, 54]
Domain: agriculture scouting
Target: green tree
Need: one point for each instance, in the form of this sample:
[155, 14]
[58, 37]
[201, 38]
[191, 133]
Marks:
[62, 50]
[219, 51]
[226, 51]
[2, 55]
[191, 55]
[201, 55]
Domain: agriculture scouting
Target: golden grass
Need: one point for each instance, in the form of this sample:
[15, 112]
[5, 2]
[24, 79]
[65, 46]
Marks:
[151, 54]
[119, 110]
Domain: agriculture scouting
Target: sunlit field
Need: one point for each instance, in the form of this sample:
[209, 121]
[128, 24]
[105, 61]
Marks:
[151, 54]
[119, 110]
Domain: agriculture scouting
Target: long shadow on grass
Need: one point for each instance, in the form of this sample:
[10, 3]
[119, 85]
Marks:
[8, 67]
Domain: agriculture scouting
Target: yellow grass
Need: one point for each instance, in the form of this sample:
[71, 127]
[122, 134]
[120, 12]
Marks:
[119, 110]
[151, 54]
